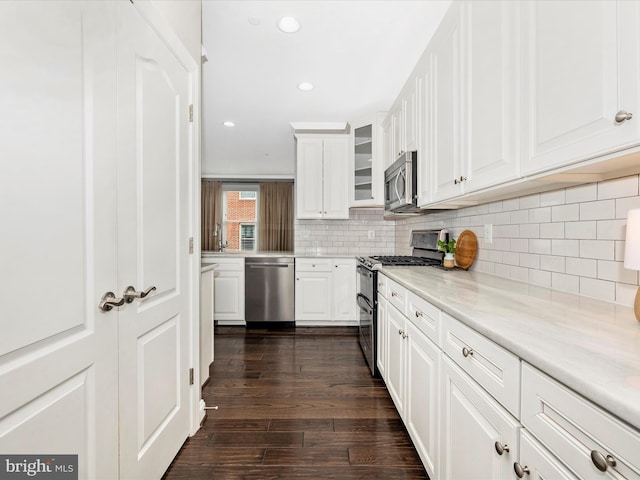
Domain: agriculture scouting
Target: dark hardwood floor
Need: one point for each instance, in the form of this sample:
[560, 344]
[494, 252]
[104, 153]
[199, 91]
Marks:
[296, 404]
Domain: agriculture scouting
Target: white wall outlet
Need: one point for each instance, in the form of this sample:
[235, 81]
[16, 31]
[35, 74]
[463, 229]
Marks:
[372, 234]
[488, 233]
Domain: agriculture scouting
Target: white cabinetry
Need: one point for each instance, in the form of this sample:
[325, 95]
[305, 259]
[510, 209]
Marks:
[325, 291]
[206, 322]
[411, 369]
[576, 431]
[577, 76]
[474, 428]
[229, 291]
[537, 463]
[367, 169]
[322, 176]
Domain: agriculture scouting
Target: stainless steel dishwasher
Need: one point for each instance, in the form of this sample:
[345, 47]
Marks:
[269, 284]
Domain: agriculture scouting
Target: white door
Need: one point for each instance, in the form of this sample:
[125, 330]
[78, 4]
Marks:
[313, 296]
[396, 357]
[58, 352]
[576, 80]
[472, 423]
[335, 196]
[539, 463]
[153, 181]
[309, 178]
[344, 290]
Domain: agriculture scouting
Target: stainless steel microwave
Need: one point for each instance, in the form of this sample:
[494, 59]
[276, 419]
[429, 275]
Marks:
[401, 185]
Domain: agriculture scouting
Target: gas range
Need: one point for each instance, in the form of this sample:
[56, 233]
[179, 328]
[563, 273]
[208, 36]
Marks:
[377, 261]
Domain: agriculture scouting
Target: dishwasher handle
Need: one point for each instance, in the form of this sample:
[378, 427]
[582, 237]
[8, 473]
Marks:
[268, 265]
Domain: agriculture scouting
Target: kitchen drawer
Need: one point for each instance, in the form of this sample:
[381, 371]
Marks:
[229, 264]
[424, 316]
[397, 295]
[575, 430]
[313, 264]
[493, 367]
[382, 285]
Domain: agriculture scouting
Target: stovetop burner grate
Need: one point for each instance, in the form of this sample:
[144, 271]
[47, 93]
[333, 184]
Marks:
[390, 260]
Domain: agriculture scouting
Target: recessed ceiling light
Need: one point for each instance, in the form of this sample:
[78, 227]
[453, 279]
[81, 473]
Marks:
[288, 25]
[305, 86]
[228, 124]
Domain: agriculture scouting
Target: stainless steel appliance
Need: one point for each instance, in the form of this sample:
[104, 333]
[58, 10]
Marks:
[269, 284]
[401, 185]
[424, 252]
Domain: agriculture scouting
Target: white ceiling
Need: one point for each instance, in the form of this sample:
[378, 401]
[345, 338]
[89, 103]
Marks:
[357, 53]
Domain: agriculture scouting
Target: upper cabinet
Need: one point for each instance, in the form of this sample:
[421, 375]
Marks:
[509, 94]
[367, 168]
[322, 178]
[580, 80]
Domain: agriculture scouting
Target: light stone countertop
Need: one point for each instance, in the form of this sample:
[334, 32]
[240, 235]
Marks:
[244, 254]
[591, 346]
[205, 267]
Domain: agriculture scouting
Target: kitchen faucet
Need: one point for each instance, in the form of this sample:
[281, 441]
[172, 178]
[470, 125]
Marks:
[221, 246]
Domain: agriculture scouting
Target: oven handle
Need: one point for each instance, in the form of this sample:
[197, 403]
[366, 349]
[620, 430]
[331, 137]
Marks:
[364, 303]
[364, 271]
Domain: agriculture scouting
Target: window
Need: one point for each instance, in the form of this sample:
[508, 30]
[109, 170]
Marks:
[247, 237]
[240, 216]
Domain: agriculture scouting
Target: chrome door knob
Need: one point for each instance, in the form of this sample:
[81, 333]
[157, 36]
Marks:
[622, 116]
[130, 293]
[501, 448]
[601, 461]
[108, 301]
[466, 352]
[520, 470]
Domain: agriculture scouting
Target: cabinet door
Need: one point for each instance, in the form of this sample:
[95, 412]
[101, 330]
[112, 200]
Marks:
[206, 323]
[344, 290]
[580, 69]
[472, 423]
[539, 462]
[388, 148]
[313, 296]
[491, 71]
[335, 177]
[382, 340]
[426, 152]
[309, 178]
[410, 105]
[396, 357]
[399, 144]
[228, 296]
[446, 65]
[422, 397]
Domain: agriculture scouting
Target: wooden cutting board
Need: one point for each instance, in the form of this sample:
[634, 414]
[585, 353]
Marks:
[466, 249]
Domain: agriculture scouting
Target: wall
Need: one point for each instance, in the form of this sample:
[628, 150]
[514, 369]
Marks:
[185, 18]
[346, 237]
[570, 239]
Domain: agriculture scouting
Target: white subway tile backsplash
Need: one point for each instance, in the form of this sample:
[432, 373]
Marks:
[565, 213]
[552, 230]
[520, 245]
[540, 215]
[530, 201]
[626, 294]
[598, 249]
[615, 271]
[623, 205]
[555, 197]
[601, 289]
[552, 263]
[582, 193]
[582, 267]
[519, 273]
[580, 230]
[540, 277]
[565, 248]
[519, 216]
[530, 260]
[618, 187]
[511, 258]
[539, 245]
[511, 204]
[566, 283]
[530, 230]
[611, 229]
[600, 210]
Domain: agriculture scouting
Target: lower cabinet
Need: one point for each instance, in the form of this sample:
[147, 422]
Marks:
[412, 373]
[228, 289]
[325, 291]
[537, 463]
[479, 437]
[381, 335]
[206, 322]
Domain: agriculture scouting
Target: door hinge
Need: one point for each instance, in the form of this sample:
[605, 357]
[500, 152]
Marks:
[190, 245]
[191, 112]
[191, 376]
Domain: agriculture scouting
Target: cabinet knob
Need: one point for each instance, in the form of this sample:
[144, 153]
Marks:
[501, 448]
[601, 461]
[418, 313]
[520, 470]
[622, 116]
[404, 335]
[400, 332]
[466, 352]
